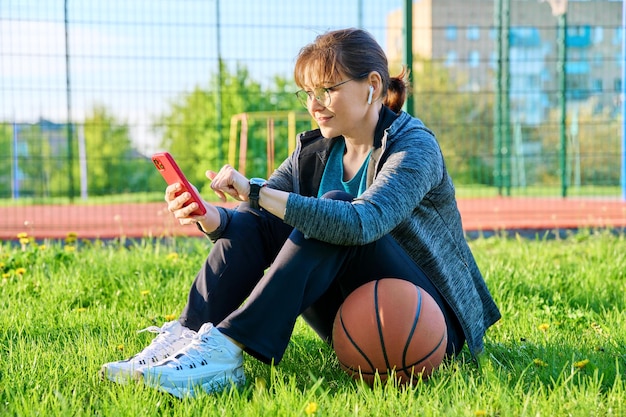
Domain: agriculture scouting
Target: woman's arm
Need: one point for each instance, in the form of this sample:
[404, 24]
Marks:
[411, 170]
[274, 201]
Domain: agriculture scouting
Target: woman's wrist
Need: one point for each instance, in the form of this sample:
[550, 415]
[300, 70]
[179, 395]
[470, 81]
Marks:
[211, 220]
[274, 201]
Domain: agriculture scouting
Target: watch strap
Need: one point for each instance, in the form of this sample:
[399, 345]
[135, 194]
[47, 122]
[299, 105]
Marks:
[255, 189]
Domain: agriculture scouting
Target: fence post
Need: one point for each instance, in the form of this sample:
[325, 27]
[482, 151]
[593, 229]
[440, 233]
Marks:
[68, 92]
[559, 9]
[15, 189]
[220, 75]
[623, 176]
[497, 108]
[563, 100]
[506, 150]
[408, 52]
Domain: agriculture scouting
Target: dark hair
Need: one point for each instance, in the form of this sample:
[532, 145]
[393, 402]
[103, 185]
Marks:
[350, 52]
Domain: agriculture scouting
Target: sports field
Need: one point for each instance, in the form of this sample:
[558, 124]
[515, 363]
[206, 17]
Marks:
[491, 214]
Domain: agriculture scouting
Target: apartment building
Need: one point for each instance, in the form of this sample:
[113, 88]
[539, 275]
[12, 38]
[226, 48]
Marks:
[462, 36]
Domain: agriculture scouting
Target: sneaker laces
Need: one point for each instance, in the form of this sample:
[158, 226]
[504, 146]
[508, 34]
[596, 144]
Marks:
[161, 344]
[200, 350]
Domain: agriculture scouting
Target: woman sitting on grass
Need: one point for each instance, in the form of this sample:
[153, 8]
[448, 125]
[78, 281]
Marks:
[364, 197]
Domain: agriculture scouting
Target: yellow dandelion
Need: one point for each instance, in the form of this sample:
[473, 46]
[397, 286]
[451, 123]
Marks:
[144, 292]
[22, 235]
[543, 327]
[2, 265]
[170, 317]
[539, 362]
[70, 248]
[172, 256]
[6, 275]
[310, 408]
[260, 384]
[81, 309]
[120, 347]
[71, 237]
[42, 247]
[24, 241]
[595, 326]
[581, 364]
[480, 413]
[20, 271]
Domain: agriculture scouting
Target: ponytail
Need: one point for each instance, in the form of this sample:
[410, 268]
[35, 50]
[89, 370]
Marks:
[397, 91]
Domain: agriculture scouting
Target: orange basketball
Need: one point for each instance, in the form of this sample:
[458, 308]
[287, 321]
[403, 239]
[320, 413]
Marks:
[389, 325]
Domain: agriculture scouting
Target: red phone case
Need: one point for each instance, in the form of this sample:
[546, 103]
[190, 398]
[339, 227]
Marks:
[165, 164]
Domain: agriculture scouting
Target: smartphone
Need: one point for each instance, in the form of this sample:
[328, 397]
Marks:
[165, 164]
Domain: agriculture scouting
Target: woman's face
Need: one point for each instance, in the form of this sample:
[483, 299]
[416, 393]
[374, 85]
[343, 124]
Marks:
[347, 109]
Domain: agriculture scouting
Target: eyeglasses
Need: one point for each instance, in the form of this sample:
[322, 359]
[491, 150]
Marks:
[322, 94]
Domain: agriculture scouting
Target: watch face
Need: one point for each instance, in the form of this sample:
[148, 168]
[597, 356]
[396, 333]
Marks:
[257, 181]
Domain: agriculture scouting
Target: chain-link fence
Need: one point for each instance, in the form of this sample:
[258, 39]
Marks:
[522, 102]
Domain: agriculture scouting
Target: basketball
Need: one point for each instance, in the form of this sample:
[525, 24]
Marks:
[389, 326]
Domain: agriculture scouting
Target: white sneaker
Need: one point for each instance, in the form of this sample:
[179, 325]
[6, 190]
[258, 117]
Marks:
[211, 362]
[172, 337]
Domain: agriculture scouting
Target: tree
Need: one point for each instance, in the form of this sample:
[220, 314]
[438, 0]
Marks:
[41, 160]
[462, 121]
[593, 151]
[196, 139]
[113, 166]
[6, 160]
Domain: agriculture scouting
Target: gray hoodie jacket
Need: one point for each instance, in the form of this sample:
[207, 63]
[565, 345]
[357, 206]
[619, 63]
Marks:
[410, 196]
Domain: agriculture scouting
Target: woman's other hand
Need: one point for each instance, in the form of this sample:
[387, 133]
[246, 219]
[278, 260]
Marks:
[228, 181]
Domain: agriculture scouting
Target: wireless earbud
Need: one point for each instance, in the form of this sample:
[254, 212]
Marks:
[369, 97]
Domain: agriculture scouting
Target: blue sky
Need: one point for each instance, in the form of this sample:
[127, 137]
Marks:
[135, 55]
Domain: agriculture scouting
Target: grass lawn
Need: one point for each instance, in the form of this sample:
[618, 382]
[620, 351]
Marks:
[68, 307]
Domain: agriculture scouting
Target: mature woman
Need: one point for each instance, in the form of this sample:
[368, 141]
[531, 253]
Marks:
[366, 196]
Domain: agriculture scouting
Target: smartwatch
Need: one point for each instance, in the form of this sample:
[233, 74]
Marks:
[255, 188]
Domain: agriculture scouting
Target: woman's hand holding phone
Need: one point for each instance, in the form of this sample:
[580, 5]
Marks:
[183, 199]
[184, 211]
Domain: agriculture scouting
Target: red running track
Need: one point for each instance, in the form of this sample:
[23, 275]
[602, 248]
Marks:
[153, 220]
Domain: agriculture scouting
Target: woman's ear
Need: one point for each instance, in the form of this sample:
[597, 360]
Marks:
[375, 84]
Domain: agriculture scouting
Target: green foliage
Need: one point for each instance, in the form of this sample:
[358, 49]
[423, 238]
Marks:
[199, 141]
[113, 166]
[6, 160]
[44, 162]
[107, 143]
[461, 121]
[593, 144]
[72, 305]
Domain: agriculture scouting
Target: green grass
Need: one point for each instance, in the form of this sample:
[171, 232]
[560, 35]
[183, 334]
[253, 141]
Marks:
[68, 307]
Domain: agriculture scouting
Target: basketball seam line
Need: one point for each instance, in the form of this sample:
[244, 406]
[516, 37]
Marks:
[443, 336]
[407, 367]
[353, 344]
[380, 327]
[418, 313]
